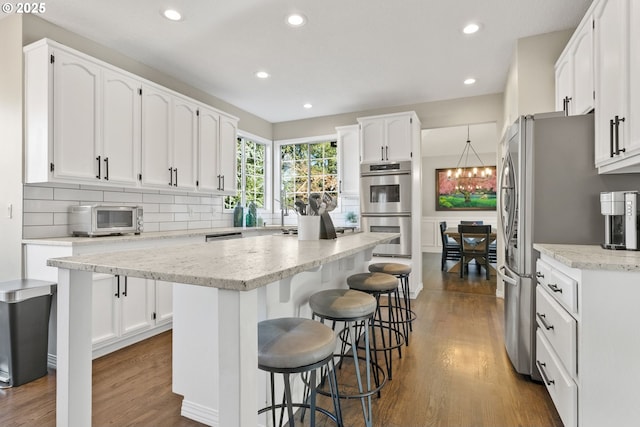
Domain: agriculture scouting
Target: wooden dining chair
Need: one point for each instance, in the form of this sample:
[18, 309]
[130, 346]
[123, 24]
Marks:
[474, 244]
[450, 248]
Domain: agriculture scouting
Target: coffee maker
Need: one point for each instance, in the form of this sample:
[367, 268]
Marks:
[620, 210]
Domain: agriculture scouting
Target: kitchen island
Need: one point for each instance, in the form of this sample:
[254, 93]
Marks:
[222, 289]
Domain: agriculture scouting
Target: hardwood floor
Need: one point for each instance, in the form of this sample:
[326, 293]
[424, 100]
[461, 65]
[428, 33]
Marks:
[454, 373]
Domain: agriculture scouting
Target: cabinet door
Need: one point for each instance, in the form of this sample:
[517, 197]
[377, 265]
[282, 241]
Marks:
[121, 129]
[611, 72]
[184, 143]
[564, 82]
[349, 167]
[398, 138]
[106, 310]
[136, 299]
[227, 163]
[164, 302]
[634, 75]
[76, 101]
[208, 140]
[372, 140]
[582, 58]
[156, 134]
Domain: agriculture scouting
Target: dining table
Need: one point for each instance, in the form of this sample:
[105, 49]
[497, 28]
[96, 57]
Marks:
[455, 235]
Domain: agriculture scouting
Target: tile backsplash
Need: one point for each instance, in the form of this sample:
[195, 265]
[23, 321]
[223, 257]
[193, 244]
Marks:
[46, 208]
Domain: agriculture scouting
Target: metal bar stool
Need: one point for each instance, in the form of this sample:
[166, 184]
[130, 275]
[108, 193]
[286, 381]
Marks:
[402, 272]
[355, 309]
[293, 345]
[378, 284]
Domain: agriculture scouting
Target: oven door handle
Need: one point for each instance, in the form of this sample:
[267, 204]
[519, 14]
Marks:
[386, 215]
[385, 173]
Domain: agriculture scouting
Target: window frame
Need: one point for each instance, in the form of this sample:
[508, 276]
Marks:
[268, 173]
[277, 162]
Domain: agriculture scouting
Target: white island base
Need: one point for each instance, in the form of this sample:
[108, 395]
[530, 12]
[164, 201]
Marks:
[218, 300]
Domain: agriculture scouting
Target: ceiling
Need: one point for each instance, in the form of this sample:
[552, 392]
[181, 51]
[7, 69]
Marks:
[352, 55]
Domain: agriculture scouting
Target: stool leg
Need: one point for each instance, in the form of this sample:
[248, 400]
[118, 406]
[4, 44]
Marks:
[366, 410]
[287, 394]
[407, 296]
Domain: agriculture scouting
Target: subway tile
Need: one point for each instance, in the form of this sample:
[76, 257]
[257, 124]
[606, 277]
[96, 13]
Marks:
[173, 208]
[37, 232]
[157, 217]
[112, 196]
[194, 225]
[150, 207]
[48, 205]
[186, 216]
[33, 192]
[170, 226]
[61, 218]
[186, 199]
[151, 226]
[77, 194]
[41, 218]
[157, 198]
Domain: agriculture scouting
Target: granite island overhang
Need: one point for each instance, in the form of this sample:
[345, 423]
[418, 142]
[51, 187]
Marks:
[238, 283]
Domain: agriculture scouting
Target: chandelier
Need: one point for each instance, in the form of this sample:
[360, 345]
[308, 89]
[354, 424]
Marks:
[464, 175]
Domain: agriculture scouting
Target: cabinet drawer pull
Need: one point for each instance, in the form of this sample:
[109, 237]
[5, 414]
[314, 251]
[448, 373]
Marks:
[124, 294]
[175, 184]
[611, 151]
[381, 152]
[117, 295]
[98, 159]
[543, 320]
[106, 166]
[543, 372]
[618, 120]
[554, 287]
[171, 177]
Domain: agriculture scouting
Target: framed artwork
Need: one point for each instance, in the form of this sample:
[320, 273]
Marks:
[467, 192]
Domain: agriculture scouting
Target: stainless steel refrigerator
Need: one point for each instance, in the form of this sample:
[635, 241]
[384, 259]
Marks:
[549, 193]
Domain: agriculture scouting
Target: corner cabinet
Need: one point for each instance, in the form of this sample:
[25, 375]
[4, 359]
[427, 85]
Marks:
[217, 134]
[387, 138]
[349, 160]
[587, 342]
[574, 72]
[617, 75]
[87, 121]
[82, 119]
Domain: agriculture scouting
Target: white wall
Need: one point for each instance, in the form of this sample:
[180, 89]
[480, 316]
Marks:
[11, 147]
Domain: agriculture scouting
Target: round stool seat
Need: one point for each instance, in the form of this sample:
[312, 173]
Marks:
[372, 282]
[292, 342]
[393, 268]
[342, 304]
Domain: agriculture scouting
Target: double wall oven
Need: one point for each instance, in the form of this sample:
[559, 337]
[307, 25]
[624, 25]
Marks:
[385, 190]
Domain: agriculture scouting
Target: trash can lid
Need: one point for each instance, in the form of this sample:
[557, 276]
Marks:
[22, 289]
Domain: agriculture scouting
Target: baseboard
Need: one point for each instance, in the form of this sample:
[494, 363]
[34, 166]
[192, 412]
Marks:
[200, 413]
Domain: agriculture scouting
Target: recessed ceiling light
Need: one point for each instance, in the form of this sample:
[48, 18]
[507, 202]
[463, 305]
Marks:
[470, 81]
[307, 105]
[471, 28]
[296, 20]
[172, 14]
[262, 75]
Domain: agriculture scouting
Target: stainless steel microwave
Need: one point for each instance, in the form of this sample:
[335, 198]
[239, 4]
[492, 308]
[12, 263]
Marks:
[99, 220]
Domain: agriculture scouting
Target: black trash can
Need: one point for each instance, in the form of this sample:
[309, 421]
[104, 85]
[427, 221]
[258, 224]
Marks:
[25, 305]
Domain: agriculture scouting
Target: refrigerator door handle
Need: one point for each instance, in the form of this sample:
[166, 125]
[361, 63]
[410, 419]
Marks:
[506, 274]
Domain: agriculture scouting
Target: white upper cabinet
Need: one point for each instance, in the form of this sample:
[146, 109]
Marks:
[574, 71]
[616, 75]
[386, 138]
[87, 121]
[217, 155]
[349, 160]
[169, 139]
[82, 119]
[121, 129]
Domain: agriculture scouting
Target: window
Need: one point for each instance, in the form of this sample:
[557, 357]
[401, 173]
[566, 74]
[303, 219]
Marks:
[308, 168]
[251, 161]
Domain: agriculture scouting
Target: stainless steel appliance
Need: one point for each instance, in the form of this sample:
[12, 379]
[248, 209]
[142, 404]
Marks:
[99, 220]
[385, 204]
[549, 190]
[621, 228]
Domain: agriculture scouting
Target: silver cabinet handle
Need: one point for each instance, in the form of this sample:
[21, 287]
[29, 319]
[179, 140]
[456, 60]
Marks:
[543, 372]
[543, 320]
[171, 177]
[99, 174]
[106, 166]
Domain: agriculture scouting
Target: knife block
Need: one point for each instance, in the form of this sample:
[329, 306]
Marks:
[327, 230]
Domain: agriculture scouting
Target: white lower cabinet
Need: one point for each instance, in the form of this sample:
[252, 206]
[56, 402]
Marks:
[127, 306]
[587, 342]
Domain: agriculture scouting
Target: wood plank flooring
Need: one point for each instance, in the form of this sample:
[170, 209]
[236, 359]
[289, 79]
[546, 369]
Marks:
[454, 373]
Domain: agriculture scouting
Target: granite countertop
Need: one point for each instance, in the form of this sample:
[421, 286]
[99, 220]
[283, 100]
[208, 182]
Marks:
[237, 264]
[151, 235]
[591, 257]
